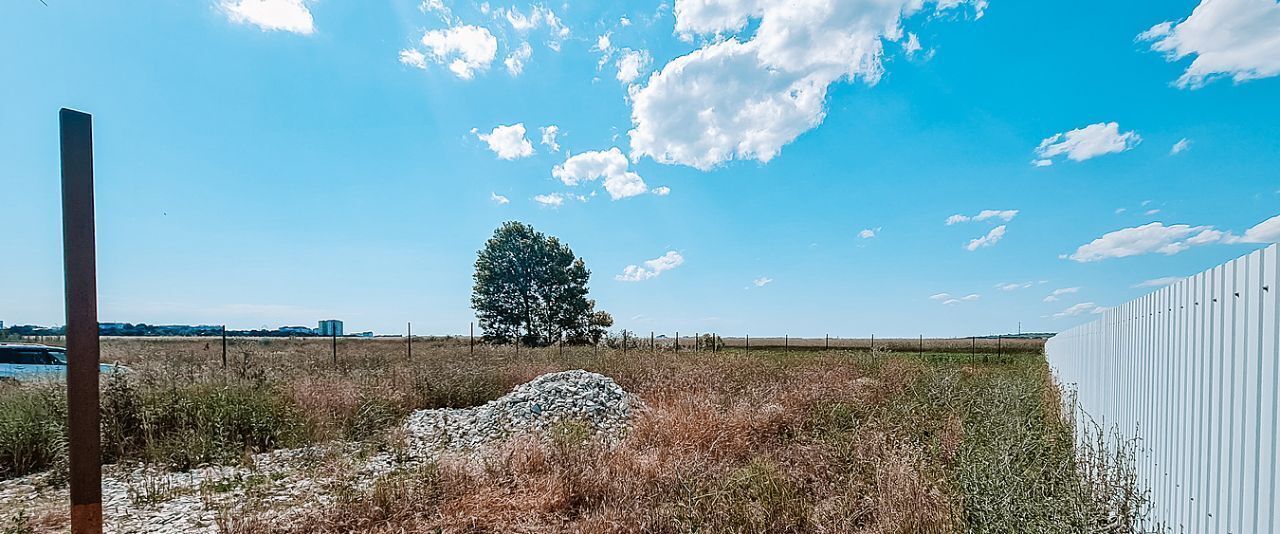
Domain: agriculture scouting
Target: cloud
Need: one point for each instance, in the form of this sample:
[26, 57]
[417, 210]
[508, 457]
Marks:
[608, 164]
[549, 134]
[1078, 309]
[515, 62]
[271, 15]
[940, 296]
[508, 142]
[1159, 282]
[1151, 212]
[1042, 162]
[603, 44]
[743, 97]
[632, 63]
[992, 237]
[762, 281]
[1146, 239]
[661, 191]
[499, 199]
[1181, 146]
[1236, 38]
[971, 297]
[1004, 215]
[1267, 231]
[1013, 286]
[413, 58]
[551, 200]
[912, 45]
[1058, 293]
[1089, 142]
[868, 233]
[466, 49]
[539, 16]
[652, 268]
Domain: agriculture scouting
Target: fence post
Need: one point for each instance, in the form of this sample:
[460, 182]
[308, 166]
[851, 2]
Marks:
[624, 342]
[826, 342]
[973, 349]
[409, 335]
[695, 342]
[873, 342]
[224, 347]
[652, 350]
[677, 341]
[748, 344]
[786, 345]
[471, 339]
[334, 337]
[921, 346]
[80, 277]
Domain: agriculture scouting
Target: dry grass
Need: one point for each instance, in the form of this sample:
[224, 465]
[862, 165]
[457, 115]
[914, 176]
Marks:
[771, 441]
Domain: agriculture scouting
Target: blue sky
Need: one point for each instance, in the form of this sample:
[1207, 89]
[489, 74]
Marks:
[269, 162]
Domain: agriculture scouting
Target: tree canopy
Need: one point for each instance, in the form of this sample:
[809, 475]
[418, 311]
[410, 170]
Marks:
[531, 287]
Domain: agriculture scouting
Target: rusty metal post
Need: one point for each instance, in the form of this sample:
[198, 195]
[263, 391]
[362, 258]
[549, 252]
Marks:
[748, 343]
[624, 342]
[786, 344]
[695, 342]
[677, 341]
[471, 343]
[873, 343]
[224, 347]
[652, 350]
[82, 321]
[334, 336]
[922, 346]
[409, 334]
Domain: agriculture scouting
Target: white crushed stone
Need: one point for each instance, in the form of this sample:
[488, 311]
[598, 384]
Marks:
[280, 484]
[591, 399]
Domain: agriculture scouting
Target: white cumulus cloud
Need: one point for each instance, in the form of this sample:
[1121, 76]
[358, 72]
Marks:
[633, 63]
[1159, 282]
[508, 142]
[662, 191]
[271, 15]
[746, 96]
[1058, 293]
[940, 296]
[652, 268]
[465, 49]
[992, 237]
[516, 60]
[549, 134]
[551, 200]
[608, 164]
[1004, 215]
[762, 281]
[1147, 239]
[1013, 286]
[1079, 309]
[1084, 143]
[868, 233]
[499, 199]
[1235, 38]
[1181, 146]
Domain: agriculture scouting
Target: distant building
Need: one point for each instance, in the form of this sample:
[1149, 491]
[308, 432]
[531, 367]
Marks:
[332, 327]
[302, 330]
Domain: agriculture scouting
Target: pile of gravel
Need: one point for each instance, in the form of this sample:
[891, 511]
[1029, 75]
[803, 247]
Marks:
[590, 399]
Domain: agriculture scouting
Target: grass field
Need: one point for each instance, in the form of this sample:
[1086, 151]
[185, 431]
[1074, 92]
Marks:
[842, 440]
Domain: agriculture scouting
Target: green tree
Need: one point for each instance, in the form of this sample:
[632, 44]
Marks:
[530, 286]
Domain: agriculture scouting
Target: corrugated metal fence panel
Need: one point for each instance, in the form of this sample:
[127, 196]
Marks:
[1191, 372]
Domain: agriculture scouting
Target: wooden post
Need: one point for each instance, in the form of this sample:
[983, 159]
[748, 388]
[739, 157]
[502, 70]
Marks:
[224, 347]
[409, 334]
[80, 273]
[922, 346]
[695, 342]
[873, 342]
[334, 336]
[471, 340]
[677, 341]
[624, 342]
[786, 344]
[826, 342]
[748, 343]
[652, 350]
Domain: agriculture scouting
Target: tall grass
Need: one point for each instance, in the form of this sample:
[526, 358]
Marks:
[771, 441]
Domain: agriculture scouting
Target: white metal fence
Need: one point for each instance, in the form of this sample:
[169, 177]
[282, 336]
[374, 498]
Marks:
[1190, 371]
